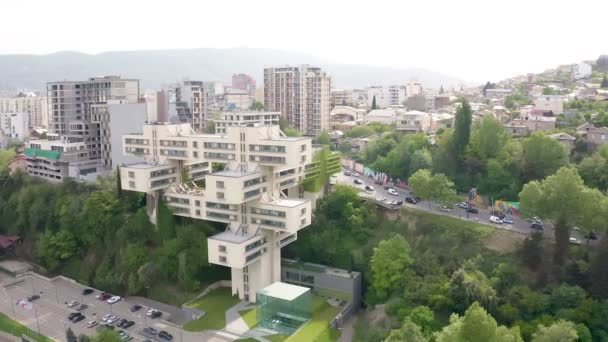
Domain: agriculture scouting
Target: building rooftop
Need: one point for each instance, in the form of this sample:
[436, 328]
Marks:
[284, 291]
[285, 202]
[318, 268]
[234, 237]
[234, 173]
[142, 166]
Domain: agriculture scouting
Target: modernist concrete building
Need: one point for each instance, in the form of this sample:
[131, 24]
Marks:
[14, 126]
[71, 101]
[35, 106]
[250, 119]
[301, 94]
[263, 194]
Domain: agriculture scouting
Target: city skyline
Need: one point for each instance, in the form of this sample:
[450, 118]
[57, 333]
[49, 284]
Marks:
[423, 35]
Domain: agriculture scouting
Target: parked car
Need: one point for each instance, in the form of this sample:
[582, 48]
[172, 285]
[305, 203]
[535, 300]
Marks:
[82, 307]
[165, 335]
[128, 324]
[153, 313]
[92, 324]
[79, 317]
[380, 198]
[411, 200]
[537, 226]
[369, 188]
[150, 330]
[393, 192]
[357, 181]
[121, 322]
[495, 219]
[508, 220]
[463, 205]
[498, 213]
[114, 300]
[112, 319]
[87, 291]
[135, 308]
[103, 296]
[388, 187]
[347, 173]
[33, 298]
[445, 208]
[72, 315]
[72, 304]
[574, 241]
[473, 210]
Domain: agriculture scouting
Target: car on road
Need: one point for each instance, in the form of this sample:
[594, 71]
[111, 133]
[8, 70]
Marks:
[149, 331]
[411, 200]
[388, 187]
[574, 241]
[357, 181]
[347, 173]
[92, 324]
[105, 326]
[393, 202]
[445, 208]
[128, 324]
[393, 192]
[109, 317]
[356, 175]
[153, 313]
[165, 335]
[114, 300]
[82, 307]
[72, 315]
[462, 205]
[380, 198]
[112, 319]
[537, 226]
[591, 236]
[369, 188]
[72, 304]
[86, 292]
[508, 220]
[33, 298]
[498, 213]
[135, 308]
[473, 210]
[495, 219]
[103, 296]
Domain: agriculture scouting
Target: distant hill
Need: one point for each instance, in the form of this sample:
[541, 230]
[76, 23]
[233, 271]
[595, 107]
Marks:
[155, 67]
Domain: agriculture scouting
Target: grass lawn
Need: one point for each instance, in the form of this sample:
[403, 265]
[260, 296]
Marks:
[17, 329]
[215, 304]
[317, 329]
[277, 337]
[250, 317]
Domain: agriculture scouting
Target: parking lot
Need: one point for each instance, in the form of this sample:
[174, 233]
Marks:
[49, 312]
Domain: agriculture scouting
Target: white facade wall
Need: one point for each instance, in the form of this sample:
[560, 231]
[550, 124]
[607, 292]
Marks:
[379, 93]
[581, 70]
[14, 125]
[553, 103]
[35, 106]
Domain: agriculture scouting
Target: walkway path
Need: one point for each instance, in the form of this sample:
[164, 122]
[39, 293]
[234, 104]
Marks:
[234, 321]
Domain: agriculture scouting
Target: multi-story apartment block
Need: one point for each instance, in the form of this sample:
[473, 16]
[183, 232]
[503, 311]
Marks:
[191, 99]
[237, 99]
[396, 95]
[414, 121]
[341, 97]
[554, 103]
[249, 119]
[413, 88]
[14, 125]
[301, 94]
[377, 93]
[260, 194]
[71, 101]
[35, 106]
[244, 82]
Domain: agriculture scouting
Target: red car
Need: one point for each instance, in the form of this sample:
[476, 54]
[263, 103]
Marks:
[103, 296]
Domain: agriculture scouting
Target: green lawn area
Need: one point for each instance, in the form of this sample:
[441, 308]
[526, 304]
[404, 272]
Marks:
[317, 329]
[277, 337]
[250, 317]
[215, 304]
[17, 329]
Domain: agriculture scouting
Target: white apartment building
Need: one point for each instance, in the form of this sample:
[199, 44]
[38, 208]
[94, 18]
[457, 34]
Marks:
[378, 93]
[237, 99]
[249, 119]
[191, 103]
[554, 103]
[341, 97]
[413, 88]
[35, 106]
[581, 70]
[414, 121]
[386, 116]
[71, 101]
[396, 95]
[257, 194]
[301, 94]
[14, 125]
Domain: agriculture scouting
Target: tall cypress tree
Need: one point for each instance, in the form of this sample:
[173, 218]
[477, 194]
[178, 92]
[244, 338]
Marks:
[374, 103]
[462, 128]
[118, 182]
[604, 82]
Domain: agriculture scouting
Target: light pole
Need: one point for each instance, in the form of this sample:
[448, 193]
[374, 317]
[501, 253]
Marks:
[37, 322]
[56, 295]
[12, 305]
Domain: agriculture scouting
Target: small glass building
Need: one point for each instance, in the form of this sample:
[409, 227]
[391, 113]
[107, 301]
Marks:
[283, 307]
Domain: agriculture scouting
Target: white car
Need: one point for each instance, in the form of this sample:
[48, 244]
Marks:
[72, 303]
[91, 324]
[380, 198]
[495, 219]
[463, 205]
[114, 299]
[112, 319]
[574, 241]
[393, 192]
[106, 317]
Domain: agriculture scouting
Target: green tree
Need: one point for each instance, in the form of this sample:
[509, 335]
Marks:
[542, 156]
[323, 138]
[423, 317]
[561, 331]
[408, 332]
[548, 91]
[488, 138]
[344, 147]
[436, 187]
[106, 335]
[389, 260]
[567, 296]
[118, 182]
[597, 271]
[374, 103]
[421, 159]
[83, 338]
[5, 157]
[594, 169]
[604, 83]
[258, 106]
[70, 336]
[468, 285]
[553, 199]
[462, 128]
[477, 325]
[55, 248]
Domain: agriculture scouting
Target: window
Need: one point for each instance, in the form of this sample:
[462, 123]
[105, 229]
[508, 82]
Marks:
[303, 221]
[222, 258]
[303, 158]
[198, 212]
[222, 248]
[309, 279]
[197, 203]
[131, 174]
[195, 154]
[219, 195]
[219, 184]
[132, 184]
[303, 148]
[195, 144]
[303, 211]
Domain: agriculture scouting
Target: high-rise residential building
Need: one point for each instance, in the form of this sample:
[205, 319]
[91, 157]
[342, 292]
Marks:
[244, 82]
[191, 99]
[263, 194]
[301, 94]
[35, 106]
[13, 126]
[395, 95]
[71, 101]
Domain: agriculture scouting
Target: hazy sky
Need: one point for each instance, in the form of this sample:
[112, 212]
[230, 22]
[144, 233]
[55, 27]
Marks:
[475, 40]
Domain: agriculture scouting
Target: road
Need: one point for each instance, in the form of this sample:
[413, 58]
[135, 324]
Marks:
[519, 225]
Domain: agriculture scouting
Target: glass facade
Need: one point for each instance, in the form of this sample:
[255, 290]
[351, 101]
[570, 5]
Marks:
[283, 314]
